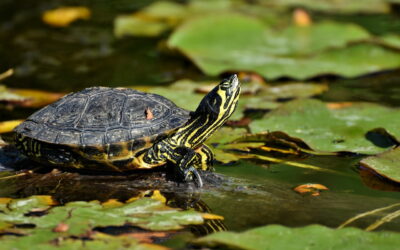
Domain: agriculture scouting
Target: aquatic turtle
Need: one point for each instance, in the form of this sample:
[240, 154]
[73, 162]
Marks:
[120, 129]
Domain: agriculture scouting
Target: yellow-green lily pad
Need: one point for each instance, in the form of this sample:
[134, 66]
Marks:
[360, 128]
[309, 237]
[385, 164]
[78, 219]
[232, 42]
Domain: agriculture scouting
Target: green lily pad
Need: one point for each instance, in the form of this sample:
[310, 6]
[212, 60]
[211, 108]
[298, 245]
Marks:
[135, 26]
[328, 130]
[145, 213]
[182, 93]
[79, 218]
[153, 20]
[392, 40]
[385, 164]
[293, 90]
[309, 237]
[43, 239]
[233, 42]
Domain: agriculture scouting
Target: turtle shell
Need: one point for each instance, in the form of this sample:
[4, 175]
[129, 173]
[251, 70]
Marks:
[98, 119]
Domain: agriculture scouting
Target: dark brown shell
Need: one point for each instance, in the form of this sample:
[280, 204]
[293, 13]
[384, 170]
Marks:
[100, 115]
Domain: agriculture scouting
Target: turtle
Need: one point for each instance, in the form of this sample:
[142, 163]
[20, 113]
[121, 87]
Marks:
[122, 129]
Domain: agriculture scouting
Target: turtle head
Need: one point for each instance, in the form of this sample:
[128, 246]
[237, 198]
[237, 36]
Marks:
[215, 108]
[221, 101]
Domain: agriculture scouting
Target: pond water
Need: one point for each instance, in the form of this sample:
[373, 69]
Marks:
[252, 193]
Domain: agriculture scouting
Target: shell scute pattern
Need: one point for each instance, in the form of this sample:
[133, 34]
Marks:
[101, 116]
[102, 111]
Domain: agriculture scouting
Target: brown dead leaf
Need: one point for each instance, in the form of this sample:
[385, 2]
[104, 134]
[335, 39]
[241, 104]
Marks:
[61, 228]
[338, 105]
[251, 77]
[312, 189]
[301, 18]
[64, 16]
[244, 122]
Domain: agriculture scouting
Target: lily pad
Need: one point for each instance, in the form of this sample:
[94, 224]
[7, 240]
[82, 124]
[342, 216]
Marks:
[232, 42]
[70, 223]
[151, 21]
[392, 40]
[360, 128]
[385, 164]
[309, 237]
[43, 239]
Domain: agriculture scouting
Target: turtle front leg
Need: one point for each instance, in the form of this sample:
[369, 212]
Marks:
[186, 166]
[189, 161]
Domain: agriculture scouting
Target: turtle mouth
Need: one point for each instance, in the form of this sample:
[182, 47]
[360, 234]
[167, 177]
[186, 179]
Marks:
[232, 85]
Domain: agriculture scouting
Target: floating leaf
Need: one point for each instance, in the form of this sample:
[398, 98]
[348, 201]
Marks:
[392, 40]
[8, 126]
[293, 90]
[78, 219]
[309, 237]
[151, 21]
[362, 128]
[385, 164]
[81, 216]
[134, 26]
[313, 189]
[233, 42]
[42, 239]
[64, 16]
[373, 180]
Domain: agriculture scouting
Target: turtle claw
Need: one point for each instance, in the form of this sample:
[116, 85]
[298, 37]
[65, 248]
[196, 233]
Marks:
[191, 174]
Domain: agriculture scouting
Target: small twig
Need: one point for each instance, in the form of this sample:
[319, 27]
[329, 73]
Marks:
[387, 218]
[375, 211]
[16, 175]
